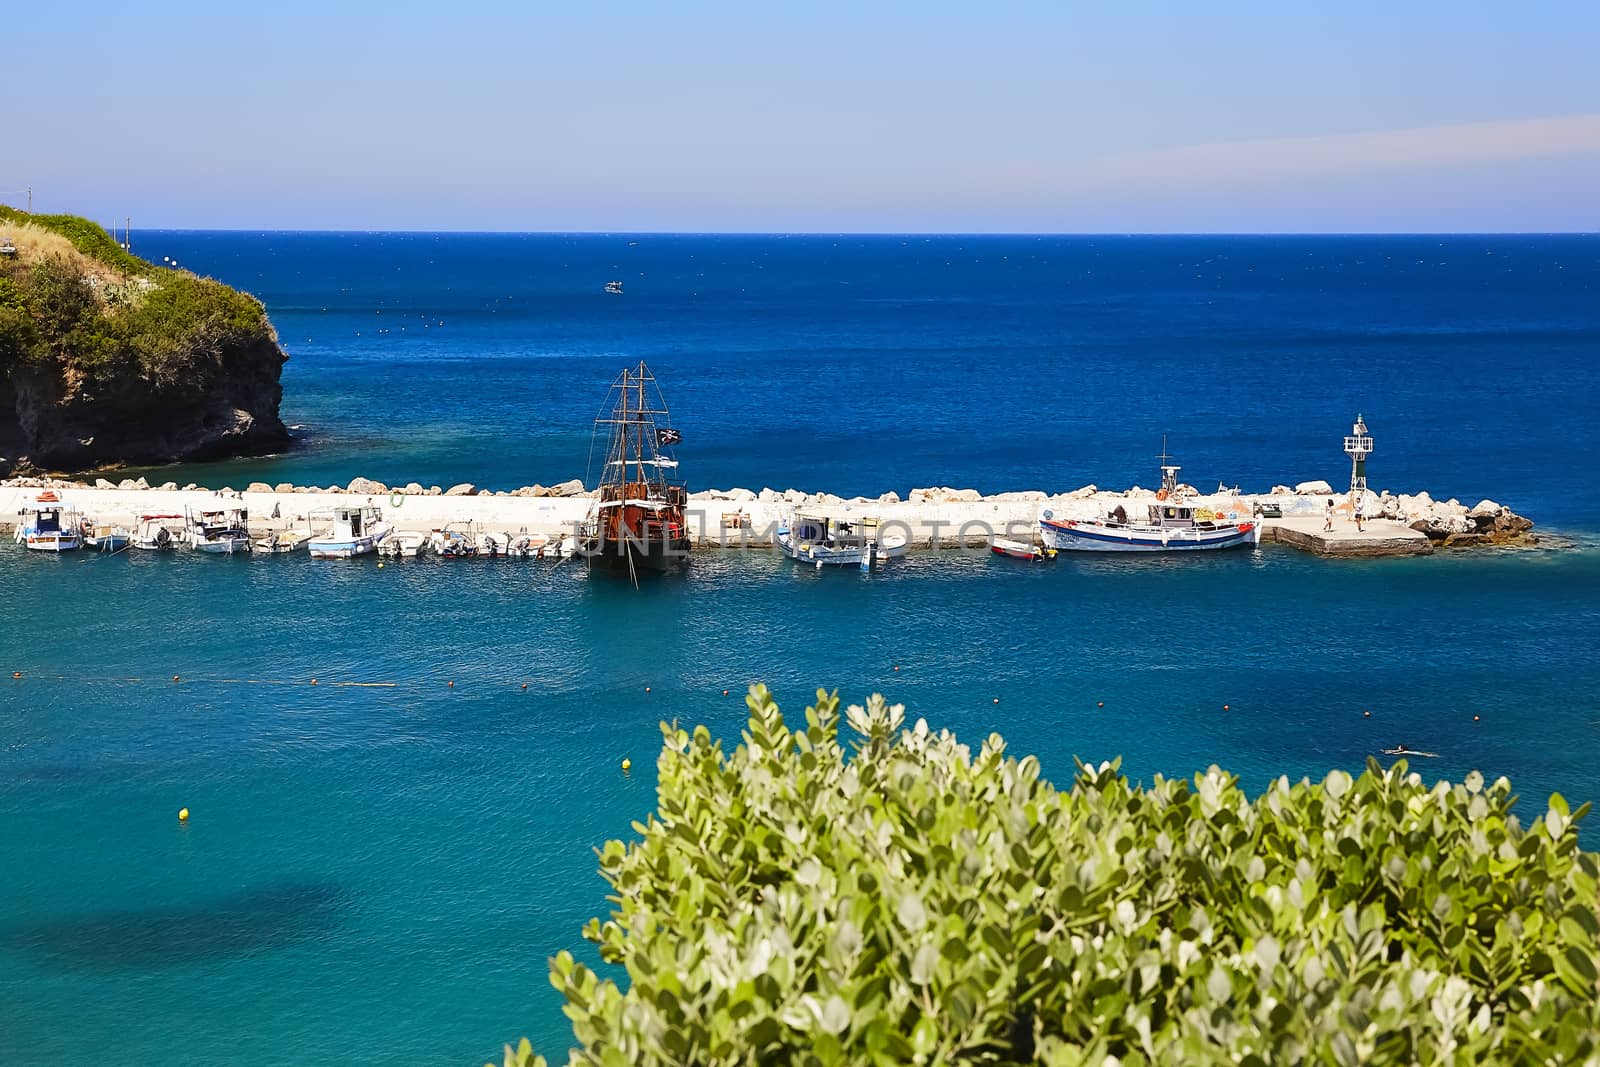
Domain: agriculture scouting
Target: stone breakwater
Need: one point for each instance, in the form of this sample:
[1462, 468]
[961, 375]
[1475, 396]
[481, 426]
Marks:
[941, 517]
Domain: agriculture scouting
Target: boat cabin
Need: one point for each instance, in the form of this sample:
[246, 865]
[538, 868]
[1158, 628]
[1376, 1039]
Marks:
[212, 524]
[355, 522]
[834, 531]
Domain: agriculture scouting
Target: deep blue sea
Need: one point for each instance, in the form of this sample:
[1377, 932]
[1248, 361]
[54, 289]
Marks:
[378, 873]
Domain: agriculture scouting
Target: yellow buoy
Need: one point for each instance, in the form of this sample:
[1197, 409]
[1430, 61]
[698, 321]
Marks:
[183, 814]
[380, 566]
[627, 764]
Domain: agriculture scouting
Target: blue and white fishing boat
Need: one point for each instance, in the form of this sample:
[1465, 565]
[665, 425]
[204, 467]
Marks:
[222, 532]
[1173, 526]
[48, 525]
[355, 531]
[824, 538]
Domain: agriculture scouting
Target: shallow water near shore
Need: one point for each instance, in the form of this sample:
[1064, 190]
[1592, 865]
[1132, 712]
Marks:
[378, 865]
[381, 870]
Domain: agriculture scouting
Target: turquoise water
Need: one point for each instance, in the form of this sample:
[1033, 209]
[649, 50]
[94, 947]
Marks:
[380, 873]
[377, 872]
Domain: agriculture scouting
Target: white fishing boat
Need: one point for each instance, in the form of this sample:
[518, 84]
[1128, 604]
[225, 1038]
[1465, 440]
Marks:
[356, 530]
[48, 525]
[151, 533]
[1173, 525]
[282, 542]
[103, 537]
[839, 539]
[220, 532]
[404, 544]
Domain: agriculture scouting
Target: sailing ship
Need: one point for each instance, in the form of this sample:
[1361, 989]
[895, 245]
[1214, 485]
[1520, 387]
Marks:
[1174, 525]
[637, 523]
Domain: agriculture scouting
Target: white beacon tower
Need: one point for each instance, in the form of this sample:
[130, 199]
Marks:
[1358, 446]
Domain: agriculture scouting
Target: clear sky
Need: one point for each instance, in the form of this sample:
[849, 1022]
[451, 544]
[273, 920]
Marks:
[1103, 117]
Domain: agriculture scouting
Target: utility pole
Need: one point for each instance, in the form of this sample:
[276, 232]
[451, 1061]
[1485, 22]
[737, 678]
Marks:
[127, 233]
[30, 200]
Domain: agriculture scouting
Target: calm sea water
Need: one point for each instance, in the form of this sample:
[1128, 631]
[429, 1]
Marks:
[379, 872]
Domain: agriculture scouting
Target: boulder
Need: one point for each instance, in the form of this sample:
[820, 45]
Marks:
[258, 487]
[140, 483]
[462, 489]
[769, 496]
[891, 497]
[741, 495]
[191, 487]
[1083, 494]
[128, 483]
[434, 490]
[284, 487]
[1281, 490]
[1485, 509]
[413, 489]
[794, 496]
[571, 487]
[1031, 496]
[367, 487]
[102, 483]
[527, 491]
[1313, 488]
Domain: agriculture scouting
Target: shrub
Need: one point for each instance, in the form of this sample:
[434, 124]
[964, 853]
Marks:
[916, 903]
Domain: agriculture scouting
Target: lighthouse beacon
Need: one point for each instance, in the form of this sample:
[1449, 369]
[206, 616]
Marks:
[1358, 446]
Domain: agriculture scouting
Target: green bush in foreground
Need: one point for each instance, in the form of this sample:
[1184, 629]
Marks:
[917, 904]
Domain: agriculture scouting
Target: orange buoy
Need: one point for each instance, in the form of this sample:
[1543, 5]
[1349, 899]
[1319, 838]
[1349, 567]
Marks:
[724, 692]
[1224, 707]
[897, 666]
[1475, 718]
[16, 674]
[174, 677]
[452, 685]
[1101, 704]
[524, 685]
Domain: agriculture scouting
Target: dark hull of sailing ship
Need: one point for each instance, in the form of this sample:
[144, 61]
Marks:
[638, 524]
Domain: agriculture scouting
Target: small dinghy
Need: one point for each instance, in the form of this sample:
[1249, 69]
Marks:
[1003, 546]
[405, 544]
[153, 535]
[282, 543]
[106, 538]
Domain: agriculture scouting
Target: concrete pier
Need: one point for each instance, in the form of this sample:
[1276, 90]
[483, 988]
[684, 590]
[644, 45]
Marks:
[738, 518]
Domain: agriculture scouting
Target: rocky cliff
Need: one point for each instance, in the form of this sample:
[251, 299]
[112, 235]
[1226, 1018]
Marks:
[106, 359]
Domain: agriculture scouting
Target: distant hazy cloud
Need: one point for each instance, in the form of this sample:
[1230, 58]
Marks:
[1303, 158]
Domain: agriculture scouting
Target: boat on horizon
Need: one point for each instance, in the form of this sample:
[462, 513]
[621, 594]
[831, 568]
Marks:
[223, 532]
[1173, 525]
[830, 538]
[637, 524]
[354, 530]
[48, 525]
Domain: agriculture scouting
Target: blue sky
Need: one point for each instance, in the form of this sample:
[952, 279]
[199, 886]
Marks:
[943, 117]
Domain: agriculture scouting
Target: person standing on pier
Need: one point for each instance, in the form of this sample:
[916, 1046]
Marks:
[1327, 522]
[1358, 514]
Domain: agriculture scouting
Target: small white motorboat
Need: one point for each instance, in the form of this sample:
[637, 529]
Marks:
[529, 546]
[1004, 546]
[222, 532]
[282, 542]
[489, 546]
[451, 542]
[151, 533]
[104, 537]
[404, 544]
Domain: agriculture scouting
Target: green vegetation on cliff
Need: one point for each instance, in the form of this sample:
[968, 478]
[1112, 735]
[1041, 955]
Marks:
[920, 903]
[105, 358]
[84, 300]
